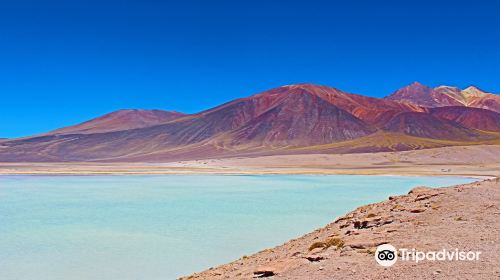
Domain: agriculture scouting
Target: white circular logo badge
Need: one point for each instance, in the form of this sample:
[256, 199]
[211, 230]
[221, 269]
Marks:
[386, 255]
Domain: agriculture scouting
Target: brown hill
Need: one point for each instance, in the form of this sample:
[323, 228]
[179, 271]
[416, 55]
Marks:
[120, 120]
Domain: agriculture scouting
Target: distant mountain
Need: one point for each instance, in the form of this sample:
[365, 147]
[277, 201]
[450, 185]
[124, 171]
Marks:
[421, 95]
[474, 118]
[425, 125]
[120, 120]
[301, 118]
[373, 111]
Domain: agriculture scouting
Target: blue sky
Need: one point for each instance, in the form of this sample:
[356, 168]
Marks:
[63, 62]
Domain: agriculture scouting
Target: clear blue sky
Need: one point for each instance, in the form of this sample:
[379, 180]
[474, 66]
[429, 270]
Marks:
[63, 62]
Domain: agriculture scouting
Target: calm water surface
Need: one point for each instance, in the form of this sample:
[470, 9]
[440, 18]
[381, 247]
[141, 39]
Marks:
[162, 227]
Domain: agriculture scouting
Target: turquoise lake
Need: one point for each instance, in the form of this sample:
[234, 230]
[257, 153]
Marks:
[163, 227]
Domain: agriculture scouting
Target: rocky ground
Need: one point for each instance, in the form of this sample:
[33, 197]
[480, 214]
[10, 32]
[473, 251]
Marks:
[466, 217]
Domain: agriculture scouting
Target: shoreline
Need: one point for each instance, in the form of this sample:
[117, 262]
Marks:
[475, 177]
[413, 224]
[474, 161]
[59, 169]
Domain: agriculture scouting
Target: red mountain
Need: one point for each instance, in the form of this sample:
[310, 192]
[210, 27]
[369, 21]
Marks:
[428, 126]
[469, 117]
[371, 110]
[289, 119]
[421, 95]
[301, 118]
[120, 120]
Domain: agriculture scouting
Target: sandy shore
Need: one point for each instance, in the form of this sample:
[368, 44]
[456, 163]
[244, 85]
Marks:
[464, 217]
[463, 161]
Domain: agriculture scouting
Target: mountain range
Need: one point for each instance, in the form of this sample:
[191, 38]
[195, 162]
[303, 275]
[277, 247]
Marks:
[442, 96]
[299, 118]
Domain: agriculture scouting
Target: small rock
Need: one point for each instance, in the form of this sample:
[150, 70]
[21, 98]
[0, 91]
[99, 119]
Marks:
[314, 258]
[316, 250]
[360, 245]
[425, 196]
[360, 224]
[351, 232]
[419, 190]
[346, 249]
[265, 271]
[372, 222]
[296, 254]
[344, 225]
[357, 224]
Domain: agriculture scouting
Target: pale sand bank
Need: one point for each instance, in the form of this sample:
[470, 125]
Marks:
[473, 161]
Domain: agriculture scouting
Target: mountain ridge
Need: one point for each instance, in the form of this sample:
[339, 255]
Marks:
[441, 96]
[287, 119]
[120, 120]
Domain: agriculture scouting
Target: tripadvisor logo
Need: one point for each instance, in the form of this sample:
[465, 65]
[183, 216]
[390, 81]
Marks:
[387, 255]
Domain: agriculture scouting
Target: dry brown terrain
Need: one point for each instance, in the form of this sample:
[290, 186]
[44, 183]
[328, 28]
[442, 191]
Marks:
[466, 217]
[481, 160]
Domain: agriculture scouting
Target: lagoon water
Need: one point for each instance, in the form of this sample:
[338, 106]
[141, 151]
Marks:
[163, 227]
